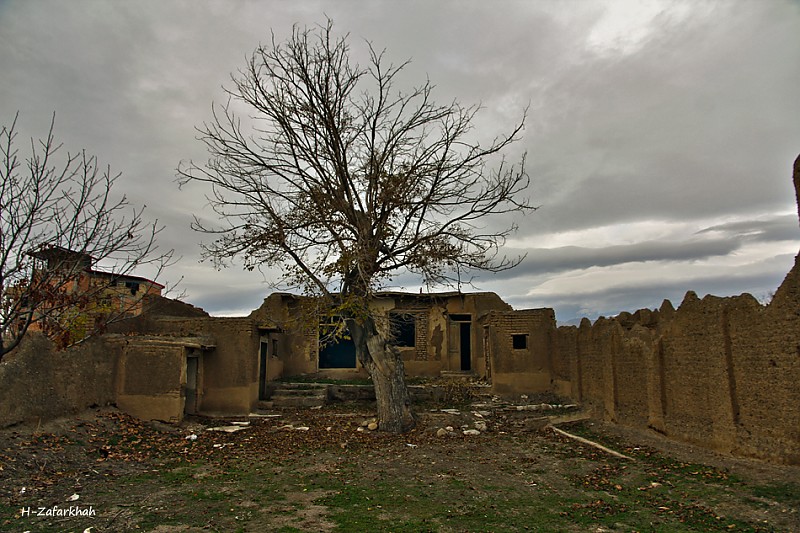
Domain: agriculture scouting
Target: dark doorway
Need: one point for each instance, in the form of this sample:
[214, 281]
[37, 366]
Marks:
[460, 341]
[262, 371]
[192, 365]
[466, 346]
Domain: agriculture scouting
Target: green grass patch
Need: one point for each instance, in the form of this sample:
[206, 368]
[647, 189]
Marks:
[784, 493]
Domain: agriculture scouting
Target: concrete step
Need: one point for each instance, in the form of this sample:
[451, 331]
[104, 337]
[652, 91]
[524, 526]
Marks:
[278, 402]
[288, 391]
[300, 386]
[287, 395]
[458, 375]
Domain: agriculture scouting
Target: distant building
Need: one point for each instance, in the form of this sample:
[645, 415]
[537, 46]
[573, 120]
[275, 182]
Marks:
[84, 295]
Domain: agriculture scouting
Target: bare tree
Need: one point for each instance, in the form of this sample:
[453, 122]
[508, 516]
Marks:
[342, 181]
[58, 216]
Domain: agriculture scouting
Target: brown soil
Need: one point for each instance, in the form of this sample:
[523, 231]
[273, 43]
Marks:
[103, 458]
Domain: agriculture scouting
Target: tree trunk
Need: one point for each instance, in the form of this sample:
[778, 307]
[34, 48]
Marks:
[383, 362]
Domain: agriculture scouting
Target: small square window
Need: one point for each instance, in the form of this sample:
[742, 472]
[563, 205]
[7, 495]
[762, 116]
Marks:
[519, 341]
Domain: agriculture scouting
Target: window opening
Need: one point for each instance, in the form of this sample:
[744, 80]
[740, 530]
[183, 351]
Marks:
[519, 341]
[404, 329]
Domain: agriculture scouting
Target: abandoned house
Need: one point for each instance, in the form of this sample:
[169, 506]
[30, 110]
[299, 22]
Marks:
[224, 365]
[721, 373]
[69, 272]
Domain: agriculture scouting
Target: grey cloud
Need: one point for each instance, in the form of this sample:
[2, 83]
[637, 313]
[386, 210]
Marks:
[782, 228]
[612, 301]
[554, 260]
[228, 295]
[677, 129]
[698, 122]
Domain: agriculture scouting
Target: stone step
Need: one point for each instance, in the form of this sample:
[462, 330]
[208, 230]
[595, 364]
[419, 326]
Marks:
[458, 375]
[278, 402]
[287, 395]
[300, 386]
[289, 391]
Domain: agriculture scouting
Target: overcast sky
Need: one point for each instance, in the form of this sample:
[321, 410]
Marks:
[660, 138]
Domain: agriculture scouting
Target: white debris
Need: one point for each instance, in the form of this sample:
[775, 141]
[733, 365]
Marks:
[227, 429]
[411, 445]
[191, 437]
[302, 428]
[73, 498]
[471, 432]
[240, 423]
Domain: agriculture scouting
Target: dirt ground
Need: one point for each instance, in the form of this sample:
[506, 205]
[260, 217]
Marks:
[324, 470]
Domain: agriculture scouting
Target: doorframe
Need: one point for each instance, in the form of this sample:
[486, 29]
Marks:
[193, 372]
[461, 356]
[263, 362]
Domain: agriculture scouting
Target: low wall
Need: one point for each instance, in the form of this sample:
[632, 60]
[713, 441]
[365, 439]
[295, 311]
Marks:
[39, 383]
[721, 373]
[150, 379]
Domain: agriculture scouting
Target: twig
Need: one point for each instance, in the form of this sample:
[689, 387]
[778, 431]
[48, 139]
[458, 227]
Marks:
[591, 443]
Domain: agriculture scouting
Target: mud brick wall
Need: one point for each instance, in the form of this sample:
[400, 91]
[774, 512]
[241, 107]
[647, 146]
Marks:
[149, 378]
[697, 374]
[421, 334]
[230, 370]
[526, 369]
[298, 340]
[765, 346]
[610, 368]
[591, 357]
[38, 383]
[721, 373]
[630, 372]
[566, 371]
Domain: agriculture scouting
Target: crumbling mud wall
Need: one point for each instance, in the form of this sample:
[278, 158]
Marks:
[722, 373]
[519, 345]
[227, 362]
[284, 317]
[38, 383]
[154, 367]
[150, 378]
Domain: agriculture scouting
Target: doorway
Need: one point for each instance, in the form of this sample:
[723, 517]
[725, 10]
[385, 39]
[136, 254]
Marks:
[192, 369]
[466, 346]
[461, 341]
[263, 358]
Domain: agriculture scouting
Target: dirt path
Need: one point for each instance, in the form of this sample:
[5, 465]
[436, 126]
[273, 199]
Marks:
[321, 470]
